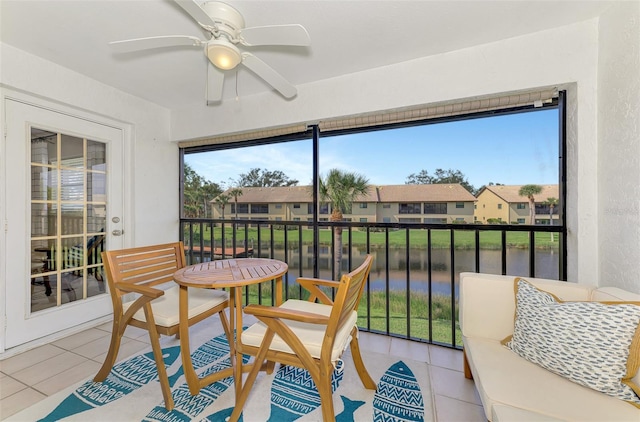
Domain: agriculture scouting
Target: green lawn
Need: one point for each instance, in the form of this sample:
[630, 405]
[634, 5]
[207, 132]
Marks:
[397, 238]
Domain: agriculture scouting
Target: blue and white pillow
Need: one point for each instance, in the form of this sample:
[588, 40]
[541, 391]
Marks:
[595, 344]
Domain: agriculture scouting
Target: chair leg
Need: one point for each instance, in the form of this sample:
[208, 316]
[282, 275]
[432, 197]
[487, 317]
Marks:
[157, 354]
[366, 379]
[326, 396]
[112, 354]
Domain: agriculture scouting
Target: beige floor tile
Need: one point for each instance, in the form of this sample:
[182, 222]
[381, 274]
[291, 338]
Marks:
[19, 401]
[106, 326]
[98, 347]
[445, 357]
[127, 349]
[77, 373]
[49, 368]
[451, 410]
[374, 342]
[410, 350]
[9, 386]
[29, 358]
[76, 340]
[453, 384]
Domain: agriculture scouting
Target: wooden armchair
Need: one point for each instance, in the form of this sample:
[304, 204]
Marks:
[307, 334]
[139, 271]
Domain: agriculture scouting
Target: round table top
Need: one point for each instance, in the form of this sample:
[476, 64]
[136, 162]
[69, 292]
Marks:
[235, 272]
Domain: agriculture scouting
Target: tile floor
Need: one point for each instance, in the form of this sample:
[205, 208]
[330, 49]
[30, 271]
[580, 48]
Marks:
[33, 375]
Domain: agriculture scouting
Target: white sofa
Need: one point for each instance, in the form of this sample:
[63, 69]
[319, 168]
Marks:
[512, 388]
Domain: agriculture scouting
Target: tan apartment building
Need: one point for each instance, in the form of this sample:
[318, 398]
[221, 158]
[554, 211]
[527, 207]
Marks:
[439, 203]
[504, 204]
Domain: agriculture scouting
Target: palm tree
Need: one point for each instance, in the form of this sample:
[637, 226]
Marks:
[529, 191]
[340, 189]
[235, 193]
[551, 202]
[222, 200]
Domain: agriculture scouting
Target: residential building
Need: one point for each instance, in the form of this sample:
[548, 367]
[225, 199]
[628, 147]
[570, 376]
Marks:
[503, 204]
[436, 203]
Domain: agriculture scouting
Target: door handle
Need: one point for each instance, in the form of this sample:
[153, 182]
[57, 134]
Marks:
[117, 232]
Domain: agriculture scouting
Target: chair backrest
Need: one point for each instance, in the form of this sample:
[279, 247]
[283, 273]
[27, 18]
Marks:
[348, 297]
[146, 265]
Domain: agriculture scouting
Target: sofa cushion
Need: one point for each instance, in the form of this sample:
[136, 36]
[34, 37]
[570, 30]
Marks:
[591, 343]
[504, 378]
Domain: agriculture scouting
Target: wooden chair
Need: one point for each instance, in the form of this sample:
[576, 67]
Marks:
[307, 334]
[140, 271]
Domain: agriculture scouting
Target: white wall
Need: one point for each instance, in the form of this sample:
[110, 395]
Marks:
[152, 158]
[565, 57]
[619, 146]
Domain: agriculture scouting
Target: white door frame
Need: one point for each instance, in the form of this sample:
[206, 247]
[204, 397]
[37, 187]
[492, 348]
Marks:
[127, 195]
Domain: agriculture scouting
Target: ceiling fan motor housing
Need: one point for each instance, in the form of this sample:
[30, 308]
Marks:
[231, 20]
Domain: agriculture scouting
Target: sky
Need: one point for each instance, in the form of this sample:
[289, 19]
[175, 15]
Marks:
[514, 149]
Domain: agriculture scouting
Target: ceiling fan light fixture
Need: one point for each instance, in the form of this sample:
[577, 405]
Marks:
[223, 54]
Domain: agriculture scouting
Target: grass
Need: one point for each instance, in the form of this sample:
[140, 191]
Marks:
[440, 239]
[377, 318]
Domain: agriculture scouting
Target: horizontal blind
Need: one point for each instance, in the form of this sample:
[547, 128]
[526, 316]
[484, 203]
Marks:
[244, 136]
[423, 112]
[449, 109]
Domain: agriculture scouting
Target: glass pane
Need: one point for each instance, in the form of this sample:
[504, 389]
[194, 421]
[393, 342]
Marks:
[44, 183]
[96, 187]
[43, 220]
[72, 219]
[43, 146]
[72, 185]
[72, 152]
[42, 252]
[96, 155]
[96, 218]
[71, 286]
[73, 252]
[43, 292]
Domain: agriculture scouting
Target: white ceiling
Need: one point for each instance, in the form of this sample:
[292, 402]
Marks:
[346, 36]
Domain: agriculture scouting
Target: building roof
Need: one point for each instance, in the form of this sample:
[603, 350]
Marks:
[445, 192]
[385, 193]
[509, 193]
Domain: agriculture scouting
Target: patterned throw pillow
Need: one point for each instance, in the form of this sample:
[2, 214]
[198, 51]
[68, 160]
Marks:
[595, 344]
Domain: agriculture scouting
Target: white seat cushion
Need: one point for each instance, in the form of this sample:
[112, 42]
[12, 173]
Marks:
[311, 335]
[166, 310]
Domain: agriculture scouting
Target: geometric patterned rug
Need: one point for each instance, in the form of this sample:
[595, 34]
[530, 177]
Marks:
[131, 392]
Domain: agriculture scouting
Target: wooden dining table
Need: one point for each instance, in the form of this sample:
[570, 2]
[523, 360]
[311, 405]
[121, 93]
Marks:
[233, 274]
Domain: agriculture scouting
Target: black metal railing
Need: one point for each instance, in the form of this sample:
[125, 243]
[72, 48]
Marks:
[412, 290]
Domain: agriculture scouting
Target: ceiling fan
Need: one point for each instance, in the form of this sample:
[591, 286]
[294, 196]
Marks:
[225, 28]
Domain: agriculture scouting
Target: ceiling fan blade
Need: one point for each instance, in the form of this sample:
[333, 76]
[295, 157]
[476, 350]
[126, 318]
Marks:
[136, 44]
[215, 81]
[267, 73]
[196, 12]
[276, 35]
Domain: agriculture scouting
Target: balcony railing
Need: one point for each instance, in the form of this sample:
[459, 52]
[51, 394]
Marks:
[412, 290]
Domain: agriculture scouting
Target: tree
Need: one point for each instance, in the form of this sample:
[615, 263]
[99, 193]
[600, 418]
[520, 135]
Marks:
[197, 193]
[340, 189]
[257, 177]
[440, 176]
[235, 193]
[529, 191]
[222, 200]
[551, 202]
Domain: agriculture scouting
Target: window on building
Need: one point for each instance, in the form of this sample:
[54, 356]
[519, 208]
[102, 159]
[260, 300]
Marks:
[279, 206]
[296, 206]
[459, 204]
[324, 209]
[410, 208]
[520, 220]
[409, 220]
[435, 208]
[242, 208]
[259, 208]
[435, 220]
[362, 205]
[386, 219]
[386, 206]
[363, 220]
[499, 206]
[521, 206]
